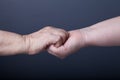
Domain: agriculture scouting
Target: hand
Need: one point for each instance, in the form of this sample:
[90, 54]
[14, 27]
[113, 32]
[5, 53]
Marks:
[75, 41]
[40, 40]
[105, 33]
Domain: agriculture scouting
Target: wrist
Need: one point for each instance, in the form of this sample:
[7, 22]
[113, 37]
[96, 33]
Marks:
[86, 36]
[26, 43]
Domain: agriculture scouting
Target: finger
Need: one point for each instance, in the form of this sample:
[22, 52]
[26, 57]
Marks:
[63, 50]
[60, 52]
[62, 33]
[55, 40]
[53, 51]
[59, 43]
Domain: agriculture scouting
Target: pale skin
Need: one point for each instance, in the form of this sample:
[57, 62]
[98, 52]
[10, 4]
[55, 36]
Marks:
[106, 33]
[59, 42]
[12, 43]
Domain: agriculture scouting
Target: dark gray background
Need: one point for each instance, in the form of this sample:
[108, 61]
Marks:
[26, 16]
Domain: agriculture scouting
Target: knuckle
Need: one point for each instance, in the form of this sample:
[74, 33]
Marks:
[63, 35]
[48, 27]
[62, 30]
[58, 38]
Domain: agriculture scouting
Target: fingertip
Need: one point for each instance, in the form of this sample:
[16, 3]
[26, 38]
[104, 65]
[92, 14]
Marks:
[52, 48]
[59, 42]
[57, 45]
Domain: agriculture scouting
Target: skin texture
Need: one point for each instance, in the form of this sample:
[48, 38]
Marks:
[75, 41]
[12, 43]
[106, 33]
[59, 42]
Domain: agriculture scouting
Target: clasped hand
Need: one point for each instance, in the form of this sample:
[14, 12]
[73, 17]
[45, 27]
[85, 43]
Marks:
[57, 42]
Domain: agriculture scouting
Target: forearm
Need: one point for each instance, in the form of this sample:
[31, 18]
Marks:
[106, 33]
[11, 43]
